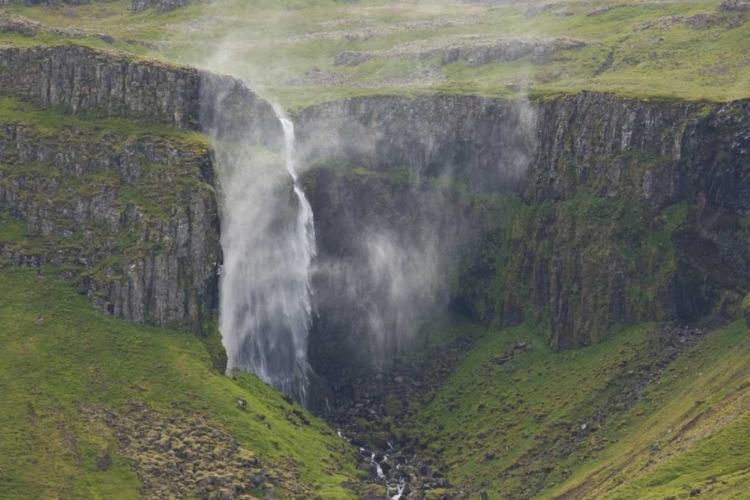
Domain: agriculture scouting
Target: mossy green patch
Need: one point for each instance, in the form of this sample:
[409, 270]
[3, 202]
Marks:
[51, 120]
[58, 354]
[12, 230]
[517, 420]
[652, 50]
[575, 267]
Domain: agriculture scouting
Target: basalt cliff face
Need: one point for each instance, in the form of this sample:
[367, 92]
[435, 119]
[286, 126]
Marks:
[99, 160]
[114, 85]
[578, 213]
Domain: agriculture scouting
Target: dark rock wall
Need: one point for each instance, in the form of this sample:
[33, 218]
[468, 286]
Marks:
[485, 143]
[385, 244]
[110, 213]
[130, 214]
[116, 85]
[659, 153]
[624, 211]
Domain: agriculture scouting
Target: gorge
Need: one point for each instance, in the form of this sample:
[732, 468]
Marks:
[412, 295]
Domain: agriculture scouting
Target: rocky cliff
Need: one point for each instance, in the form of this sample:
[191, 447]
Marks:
[484, 143]
[105, 84]
[578, 213]
[100, 159]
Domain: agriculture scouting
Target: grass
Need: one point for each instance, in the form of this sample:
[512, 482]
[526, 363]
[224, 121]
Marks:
[688, 432]
[515, 430]
[58, 354]
[656, 51]
[12, 230]
[52, 120]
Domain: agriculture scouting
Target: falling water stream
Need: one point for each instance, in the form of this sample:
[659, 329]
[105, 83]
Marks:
[268, 241]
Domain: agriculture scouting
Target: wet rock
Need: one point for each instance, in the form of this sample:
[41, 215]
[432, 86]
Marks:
[386, 466]
[425, 470]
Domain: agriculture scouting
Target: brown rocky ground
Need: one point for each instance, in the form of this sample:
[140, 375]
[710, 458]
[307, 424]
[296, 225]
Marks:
[181, 454]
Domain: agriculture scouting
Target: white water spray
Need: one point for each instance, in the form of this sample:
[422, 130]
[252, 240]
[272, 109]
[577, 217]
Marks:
[268, 241]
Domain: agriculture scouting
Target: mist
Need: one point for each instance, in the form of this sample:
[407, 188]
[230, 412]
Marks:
[374, 275]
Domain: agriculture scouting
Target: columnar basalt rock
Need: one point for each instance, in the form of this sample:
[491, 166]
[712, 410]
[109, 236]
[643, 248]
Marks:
[131, 215]
[657, 152]
[109, 84]
[141, 245]
[590, 242]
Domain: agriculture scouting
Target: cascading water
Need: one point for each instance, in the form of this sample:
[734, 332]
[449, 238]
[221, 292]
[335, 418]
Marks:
[268, 241]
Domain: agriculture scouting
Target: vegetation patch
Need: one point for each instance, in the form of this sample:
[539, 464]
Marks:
[74, 380]
[615, 420]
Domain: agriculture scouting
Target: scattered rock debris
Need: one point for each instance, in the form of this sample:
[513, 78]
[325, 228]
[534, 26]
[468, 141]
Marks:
[180, 454]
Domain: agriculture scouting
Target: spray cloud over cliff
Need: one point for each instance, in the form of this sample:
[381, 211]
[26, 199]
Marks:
[268, 242]
[391, 234]
[395, 179]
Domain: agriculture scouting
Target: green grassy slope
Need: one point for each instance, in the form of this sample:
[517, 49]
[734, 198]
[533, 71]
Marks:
[515, 428]
[59, 357]
[666, 49]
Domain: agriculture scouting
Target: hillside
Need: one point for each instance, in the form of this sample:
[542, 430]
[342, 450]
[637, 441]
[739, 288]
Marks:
[302, 52]
[448, 250]
[98, 408]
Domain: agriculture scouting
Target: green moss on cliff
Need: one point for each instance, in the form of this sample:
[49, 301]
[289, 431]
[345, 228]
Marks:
[60, 356]
[12, 230]
[109, 195]
[575, 267]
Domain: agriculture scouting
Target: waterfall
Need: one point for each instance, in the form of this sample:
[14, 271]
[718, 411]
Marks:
[268, 239]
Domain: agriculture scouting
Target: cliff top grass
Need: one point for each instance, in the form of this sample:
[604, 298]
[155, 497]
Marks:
[61, 361]
[287, 50]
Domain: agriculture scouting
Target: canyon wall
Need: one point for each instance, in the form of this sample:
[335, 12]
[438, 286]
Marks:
[100, 160]
[578, 213]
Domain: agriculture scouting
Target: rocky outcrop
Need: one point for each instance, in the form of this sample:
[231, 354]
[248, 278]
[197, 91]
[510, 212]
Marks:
[112, 216]
[734, 6]
[130, 214]
[168, 450]
[657, 152]
[471, 49]
[161, 6]
[107, 84]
